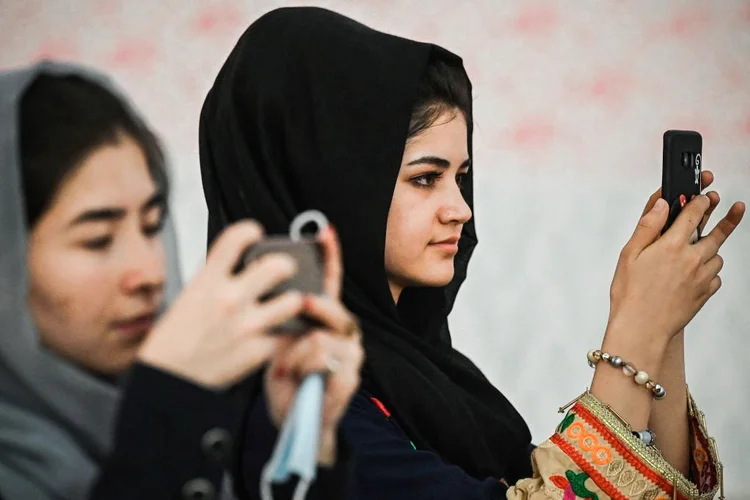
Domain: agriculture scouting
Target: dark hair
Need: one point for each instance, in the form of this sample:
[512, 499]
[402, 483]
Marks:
[64, 119]
[444, 87]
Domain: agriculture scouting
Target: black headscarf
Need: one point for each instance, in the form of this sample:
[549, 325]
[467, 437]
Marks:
[311, 110]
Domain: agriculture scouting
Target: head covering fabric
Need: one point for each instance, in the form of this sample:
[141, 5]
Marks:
[311, 111]
[56, 420]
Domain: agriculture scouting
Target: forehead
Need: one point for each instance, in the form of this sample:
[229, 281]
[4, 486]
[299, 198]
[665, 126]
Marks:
[112, 175]
[447, 137]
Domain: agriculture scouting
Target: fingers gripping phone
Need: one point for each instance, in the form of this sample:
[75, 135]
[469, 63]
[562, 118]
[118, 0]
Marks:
[681, 171]
[308, 253]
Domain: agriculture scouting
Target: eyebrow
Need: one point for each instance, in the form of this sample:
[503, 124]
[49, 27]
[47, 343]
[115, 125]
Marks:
[109, 214]
[437, 162]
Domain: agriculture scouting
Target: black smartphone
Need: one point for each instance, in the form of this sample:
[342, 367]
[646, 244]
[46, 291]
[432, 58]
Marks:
[681, 170]
[309, 278]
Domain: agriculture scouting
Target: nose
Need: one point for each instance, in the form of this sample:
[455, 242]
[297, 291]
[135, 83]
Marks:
[145, 267]
[455, 210]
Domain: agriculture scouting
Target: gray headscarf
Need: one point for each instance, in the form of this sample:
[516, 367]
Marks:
[56, 420]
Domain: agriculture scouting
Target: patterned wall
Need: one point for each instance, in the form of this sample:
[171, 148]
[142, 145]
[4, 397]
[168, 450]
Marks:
[571, 102]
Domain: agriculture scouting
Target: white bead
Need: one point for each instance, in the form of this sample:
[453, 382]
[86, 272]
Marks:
[641, 378]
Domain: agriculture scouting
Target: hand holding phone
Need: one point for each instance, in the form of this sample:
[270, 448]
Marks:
[307, 251]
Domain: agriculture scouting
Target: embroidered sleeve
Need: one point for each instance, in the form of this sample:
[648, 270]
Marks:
[593, 454]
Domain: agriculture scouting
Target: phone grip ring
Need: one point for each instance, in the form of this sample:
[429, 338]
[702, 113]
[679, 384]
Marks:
[303, 219]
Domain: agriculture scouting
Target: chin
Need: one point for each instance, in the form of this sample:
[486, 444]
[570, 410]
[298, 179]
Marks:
[117, 363]
[439, 275]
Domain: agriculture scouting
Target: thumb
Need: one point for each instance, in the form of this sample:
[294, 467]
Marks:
[649, 226]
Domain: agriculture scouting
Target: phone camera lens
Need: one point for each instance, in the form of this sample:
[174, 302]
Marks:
[687, 160]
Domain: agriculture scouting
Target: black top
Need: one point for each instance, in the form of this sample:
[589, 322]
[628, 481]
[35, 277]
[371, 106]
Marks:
[174, 439]
[387, 466]
[311, 110]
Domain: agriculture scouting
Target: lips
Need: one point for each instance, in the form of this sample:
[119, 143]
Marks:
[448, 241]
[135, 326]
[449, 245]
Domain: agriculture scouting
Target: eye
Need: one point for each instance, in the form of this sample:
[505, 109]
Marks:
[153, 230]
[154, 227]
[460, 179]
[98, 243]
[426, 180]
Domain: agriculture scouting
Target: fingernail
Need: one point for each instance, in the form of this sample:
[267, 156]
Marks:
[660, 205]
[307, 302]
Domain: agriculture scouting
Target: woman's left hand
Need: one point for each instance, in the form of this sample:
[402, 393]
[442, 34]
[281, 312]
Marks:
[334, 349]
[707, 178]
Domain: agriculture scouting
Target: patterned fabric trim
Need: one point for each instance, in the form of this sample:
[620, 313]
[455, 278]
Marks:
[706, 468]
[622, 466]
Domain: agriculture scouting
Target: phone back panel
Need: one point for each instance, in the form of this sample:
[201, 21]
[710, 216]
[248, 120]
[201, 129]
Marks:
[309, 277]
[681, 170]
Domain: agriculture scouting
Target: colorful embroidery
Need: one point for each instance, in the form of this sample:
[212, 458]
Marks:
[569, 418]
[651, 494]
[605, 452]
[626, 453]
[702, 469]
[627, 477]
[599, 479]
[577, 485]
[559, 481]
[572, 485]
[600, 455]
[614, 468]
[639, 486]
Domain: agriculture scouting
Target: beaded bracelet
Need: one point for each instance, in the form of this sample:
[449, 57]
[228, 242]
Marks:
[641, 377]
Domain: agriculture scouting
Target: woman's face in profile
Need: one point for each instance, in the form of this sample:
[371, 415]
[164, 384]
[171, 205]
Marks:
[428, 209]
[96, 261]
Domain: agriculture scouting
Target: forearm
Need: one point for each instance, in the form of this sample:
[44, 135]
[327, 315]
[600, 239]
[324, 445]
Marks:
[669, 417]
[630, 401]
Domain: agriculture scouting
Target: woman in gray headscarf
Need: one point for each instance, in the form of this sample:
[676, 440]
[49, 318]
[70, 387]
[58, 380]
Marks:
[100, 397]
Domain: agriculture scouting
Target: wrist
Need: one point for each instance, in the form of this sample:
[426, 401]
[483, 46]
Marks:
[328, 447]
[149, 355]
[162, 358]
[640, 345]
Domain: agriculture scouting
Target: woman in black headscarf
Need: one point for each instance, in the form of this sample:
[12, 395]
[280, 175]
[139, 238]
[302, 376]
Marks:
[314, 110]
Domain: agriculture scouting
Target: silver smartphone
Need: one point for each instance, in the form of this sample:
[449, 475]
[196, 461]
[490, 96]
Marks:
[309, 278]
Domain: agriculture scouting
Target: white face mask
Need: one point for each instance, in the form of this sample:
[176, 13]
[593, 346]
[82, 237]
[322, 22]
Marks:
[296, 451]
